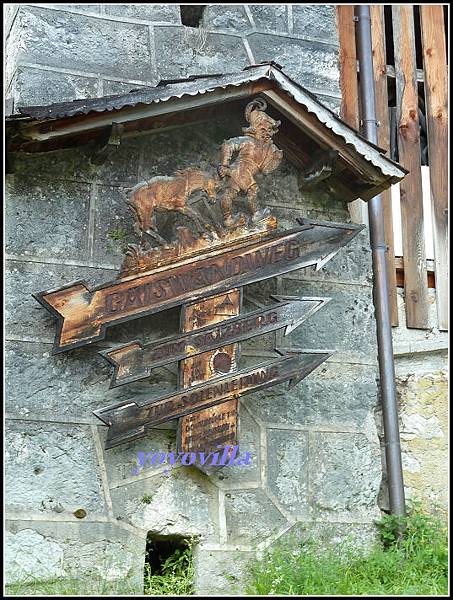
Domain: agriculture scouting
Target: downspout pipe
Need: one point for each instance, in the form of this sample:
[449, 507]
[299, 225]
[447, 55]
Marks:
[380, 281]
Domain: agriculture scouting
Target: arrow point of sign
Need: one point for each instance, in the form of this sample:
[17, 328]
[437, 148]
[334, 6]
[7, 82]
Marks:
[302, 313]
[116, 357]
[325, 259]
[98, 414]
[317, 356]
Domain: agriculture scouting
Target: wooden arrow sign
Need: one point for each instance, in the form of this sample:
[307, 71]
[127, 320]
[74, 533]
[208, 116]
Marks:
[83, 314]
[134, 361]
[130, 420]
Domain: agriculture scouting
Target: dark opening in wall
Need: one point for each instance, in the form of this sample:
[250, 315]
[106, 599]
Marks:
[192, 14]
[168, 565]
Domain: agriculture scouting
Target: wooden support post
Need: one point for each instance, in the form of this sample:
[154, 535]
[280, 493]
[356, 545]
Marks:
[204, 430]
[411, 196]
[349, 109]
[382, 115]
[435, 67]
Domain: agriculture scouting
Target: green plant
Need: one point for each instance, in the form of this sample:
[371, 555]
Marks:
[147, 499]
[414, 564]
[176, 577]
[118, 235]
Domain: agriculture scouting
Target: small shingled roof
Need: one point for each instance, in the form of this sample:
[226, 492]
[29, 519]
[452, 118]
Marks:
[204, 84]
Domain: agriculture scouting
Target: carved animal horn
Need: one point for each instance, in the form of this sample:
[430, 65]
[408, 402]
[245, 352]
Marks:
[257, 104]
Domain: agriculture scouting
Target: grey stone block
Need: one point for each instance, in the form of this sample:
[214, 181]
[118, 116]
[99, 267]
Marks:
[226, 18]
[122, 462]
[193, 145]
[287, 469]
[146, 12]
[9, 13]
[311, 64]
[83, 43]
[52, 468]
[85, 8]
[281, 187]
[69, 385]
[47, 218]
[44, 557]
[334, 396]
[24, 316]
[251, 517]
[121, 163]
[345, 474]
[287, 208]
[113, 226]
[98, 556]
[316, 21]
[248, 441]
[40, 87]
[188, 51]
[180, 503]
[71, 164]
[347, 318]
[220, 571]
[270, 17]
[336, 536]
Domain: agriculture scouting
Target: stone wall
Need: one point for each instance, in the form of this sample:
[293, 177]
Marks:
[421, 363]
[59, 52]
[74, 508]
[315, 450]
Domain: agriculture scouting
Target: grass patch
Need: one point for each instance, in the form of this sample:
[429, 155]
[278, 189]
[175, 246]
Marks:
[416, 565]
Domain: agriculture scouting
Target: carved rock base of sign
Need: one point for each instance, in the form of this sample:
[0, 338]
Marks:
[139, 260]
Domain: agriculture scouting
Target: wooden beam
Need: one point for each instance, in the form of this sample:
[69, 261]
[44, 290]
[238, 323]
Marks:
[349, 109]
[416, 280]
[435, 65]
[382, 115]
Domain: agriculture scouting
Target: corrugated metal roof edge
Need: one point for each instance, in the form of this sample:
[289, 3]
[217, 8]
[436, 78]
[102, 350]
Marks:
[268, 70]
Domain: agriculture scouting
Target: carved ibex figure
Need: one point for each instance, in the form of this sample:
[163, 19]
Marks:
[169, 193]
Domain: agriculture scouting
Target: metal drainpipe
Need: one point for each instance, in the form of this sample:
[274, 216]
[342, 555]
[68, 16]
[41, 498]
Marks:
[380, 282]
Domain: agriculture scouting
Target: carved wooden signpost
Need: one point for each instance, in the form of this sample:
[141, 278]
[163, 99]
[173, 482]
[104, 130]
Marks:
[204, 272]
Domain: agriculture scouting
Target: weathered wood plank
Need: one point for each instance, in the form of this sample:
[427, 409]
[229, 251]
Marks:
[349, 109]
[382, 115]
[204, 430]
[435, 67]
[83, 314]
[134, 361]
[415, 276]
[130, 419]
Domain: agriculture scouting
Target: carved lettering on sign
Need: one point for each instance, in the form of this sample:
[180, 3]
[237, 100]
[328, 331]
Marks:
[84, 315]
[134, 361]
[130, 420]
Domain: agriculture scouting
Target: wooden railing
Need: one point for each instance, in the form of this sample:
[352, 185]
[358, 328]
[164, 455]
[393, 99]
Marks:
[412, 269]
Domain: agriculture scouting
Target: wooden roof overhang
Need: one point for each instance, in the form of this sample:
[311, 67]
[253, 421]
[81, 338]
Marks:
[361, 169]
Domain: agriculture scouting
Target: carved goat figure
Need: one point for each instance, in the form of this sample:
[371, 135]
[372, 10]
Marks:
[169, 193]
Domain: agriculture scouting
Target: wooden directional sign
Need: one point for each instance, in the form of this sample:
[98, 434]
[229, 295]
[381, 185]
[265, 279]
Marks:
[134, 361]
[204, 273]
[83, 314]
[209, 427]
[130, 420]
